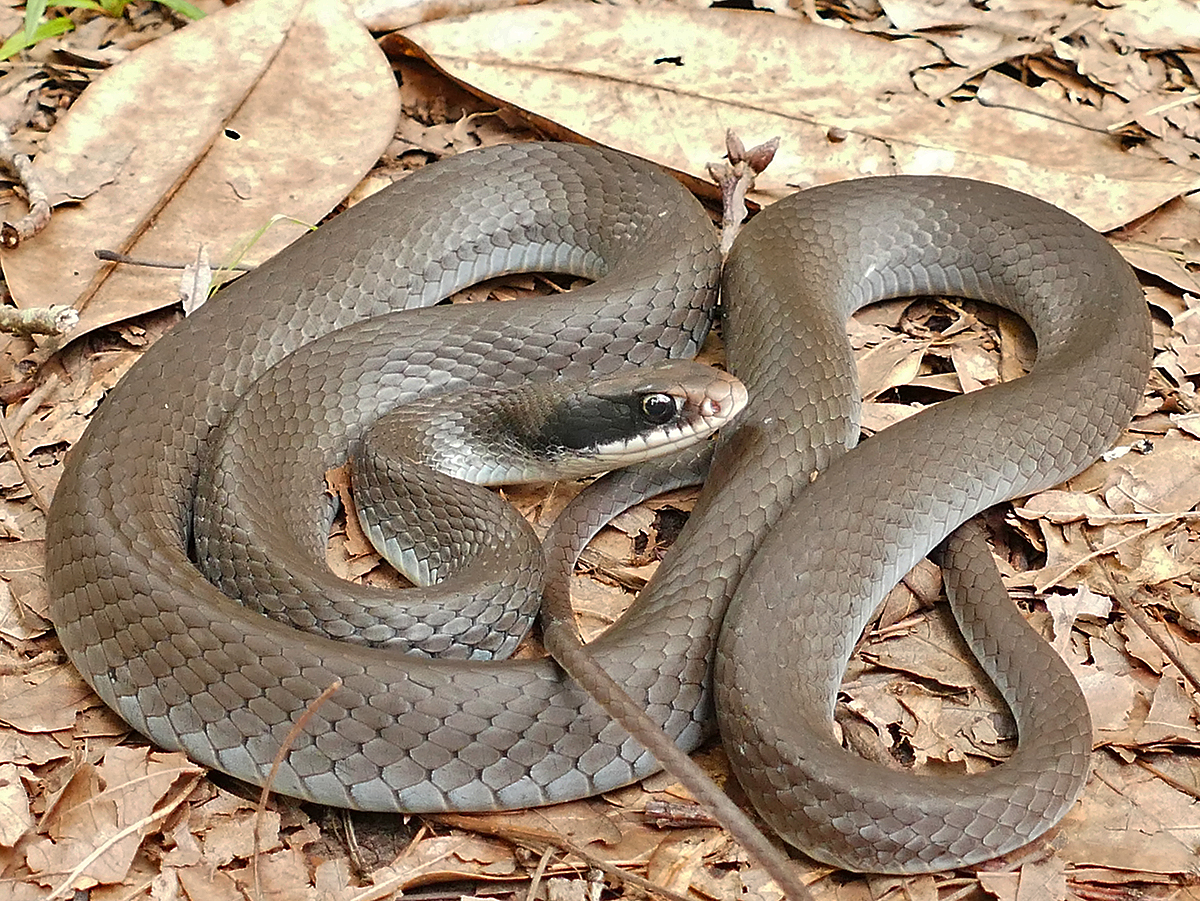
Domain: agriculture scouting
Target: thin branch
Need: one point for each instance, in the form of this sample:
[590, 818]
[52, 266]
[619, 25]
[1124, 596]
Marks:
[574, 657]
[51, 320]
[30, 180]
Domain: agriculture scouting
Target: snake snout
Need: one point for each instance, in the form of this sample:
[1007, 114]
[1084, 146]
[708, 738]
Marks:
[723, 400]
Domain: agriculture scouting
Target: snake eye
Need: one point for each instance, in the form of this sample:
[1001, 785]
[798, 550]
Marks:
[659, 409]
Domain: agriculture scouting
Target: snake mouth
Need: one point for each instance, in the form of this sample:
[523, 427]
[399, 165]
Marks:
[722, 410]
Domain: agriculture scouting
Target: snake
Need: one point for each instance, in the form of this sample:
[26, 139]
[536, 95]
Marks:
[756, 609]
[419, 474]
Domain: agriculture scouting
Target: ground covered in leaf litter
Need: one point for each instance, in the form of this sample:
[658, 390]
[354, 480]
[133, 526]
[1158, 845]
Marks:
[83, 803]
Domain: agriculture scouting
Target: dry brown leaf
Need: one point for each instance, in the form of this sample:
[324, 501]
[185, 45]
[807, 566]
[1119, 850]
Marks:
[1129, 819]
[974, 364]
[1162, 482]
[1165, 244]
[892, 363]
[46, 701]
[331, 879]
[609, 831]
[228, 838]
[1172, 716]
[930, 649]
[878, 416]
[1038, 880]
[1158, 23]
[66, 420]
[31, 750]
[596, 605]
[281, 876]
[969, 726]
[98, 822]
[304, 105]
[15, 817]
[23, 598]
[1066, 607]
[676, 861]
[844, 102]
[437, 859]
[386, 15]
[592, 71]
[204, 883]
[1059, 506]
[1023, 23]
[1143, 497]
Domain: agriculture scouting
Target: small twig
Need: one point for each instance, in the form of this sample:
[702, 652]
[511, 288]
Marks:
[114, 256]
[677, 815]
[38, 217]
[736, 178]
[535, 881]
[51, 320]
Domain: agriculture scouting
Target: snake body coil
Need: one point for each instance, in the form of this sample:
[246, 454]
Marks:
[194, 670]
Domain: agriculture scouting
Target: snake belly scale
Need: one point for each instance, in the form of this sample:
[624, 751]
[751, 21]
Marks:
[194, 670]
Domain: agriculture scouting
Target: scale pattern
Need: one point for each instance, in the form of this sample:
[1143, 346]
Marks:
[194, 670]
[874, 512]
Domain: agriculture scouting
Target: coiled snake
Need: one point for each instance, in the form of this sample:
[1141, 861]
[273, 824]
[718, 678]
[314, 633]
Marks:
[194, 670]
